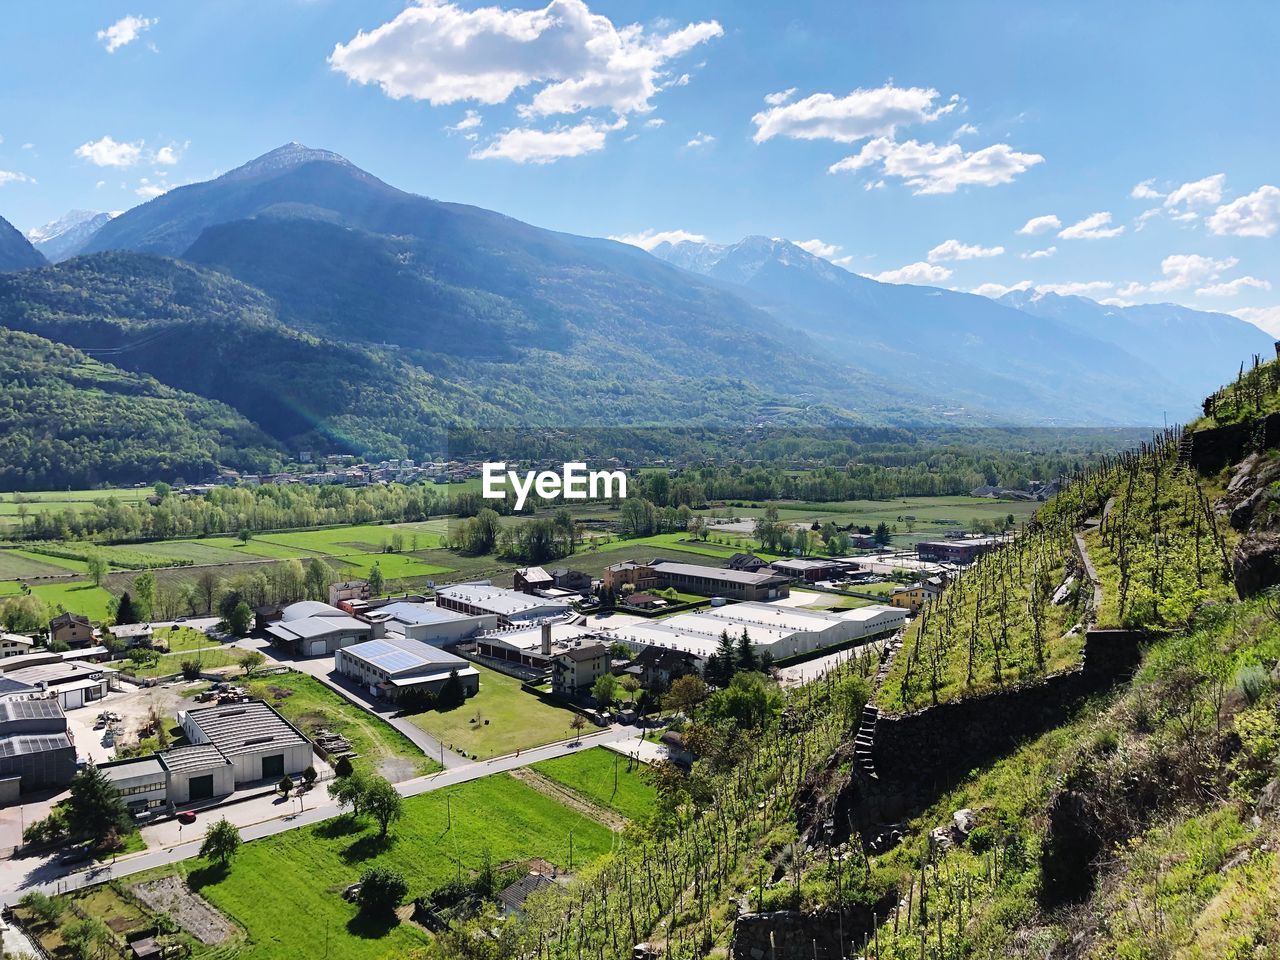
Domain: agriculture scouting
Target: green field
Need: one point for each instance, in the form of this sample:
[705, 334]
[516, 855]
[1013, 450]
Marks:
[75, 596]
[21, 565]
[394, 566]
[312, 706]
[285, 890]
[516, 720]
[340, 541]
[602, 776]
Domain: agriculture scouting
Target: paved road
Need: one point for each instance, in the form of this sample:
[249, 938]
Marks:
[54, 875]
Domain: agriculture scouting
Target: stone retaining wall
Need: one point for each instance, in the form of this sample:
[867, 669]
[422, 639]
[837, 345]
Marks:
[792, 935]
[1216, 447]
[939, 743]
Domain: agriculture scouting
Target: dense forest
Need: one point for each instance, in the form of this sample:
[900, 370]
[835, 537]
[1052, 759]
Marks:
[67, 419]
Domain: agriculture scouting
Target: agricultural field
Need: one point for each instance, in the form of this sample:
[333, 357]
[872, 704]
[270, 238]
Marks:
[312, 706]
[394, 566]
[606, 778]
[500, 719]
[21, 565]
[341, 541]
[75, 596]
[444, 834]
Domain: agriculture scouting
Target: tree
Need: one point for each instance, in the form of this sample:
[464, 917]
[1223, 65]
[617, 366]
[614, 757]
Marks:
[382, 890]
[309, 776]
[144, 594]
[882, 535]
[95, 808]
[746, 652]
[285, 786]
[97, 567]
[383, 803]
[85, 938]
[221, 841]
[317, 579]
[48, 910]
[605, 690]
[451, 695]
[240, 619]
[376, 582]
[349, 791]
[125, 612]
[252, 661]
[243, 535]
[578, 724]
[686, 694]
[630, 684]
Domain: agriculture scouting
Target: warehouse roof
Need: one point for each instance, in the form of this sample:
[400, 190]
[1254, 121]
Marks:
[240, 728]
[498, 599]
[745, 577]
[22, 744]
[309, 608]
[44, 709]
[399, 656]
[132, 769]
[419, 613]
[59, 672]
[192, 758]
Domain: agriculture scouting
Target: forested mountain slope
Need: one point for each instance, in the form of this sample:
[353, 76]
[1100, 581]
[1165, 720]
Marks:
[16, 251]
[68, 419]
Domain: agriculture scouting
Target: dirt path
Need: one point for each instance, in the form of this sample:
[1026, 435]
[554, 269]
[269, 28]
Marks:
[570, 798]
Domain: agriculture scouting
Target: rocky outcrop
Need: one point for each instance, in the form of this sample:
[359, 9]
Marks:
[793, 935]
[1253, 507]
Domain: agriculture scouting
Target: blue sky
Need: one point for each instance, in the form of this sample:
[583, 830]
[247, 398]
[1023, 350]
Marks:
[1133, 146]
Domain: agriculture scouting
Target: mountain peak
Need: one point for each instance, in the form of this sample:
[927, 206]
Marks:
[286, 157]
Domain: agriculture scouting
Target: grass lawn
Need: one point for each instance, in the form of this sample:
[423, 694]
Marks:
[592, 774]
[10, 588]
[394, 566]
[313, 706]
[286, 890]
[186, 644]
[76, 596]
[516, 720]
[340, 541]
[255, 549]
[19, 564]
[63, 564]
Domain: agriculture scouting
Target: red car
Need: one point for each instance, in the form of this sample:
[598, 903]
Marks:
[187, 816]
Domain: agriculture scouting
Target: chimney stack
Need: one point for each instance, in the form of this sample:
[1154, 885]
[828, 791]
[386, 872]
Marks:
[546, 638]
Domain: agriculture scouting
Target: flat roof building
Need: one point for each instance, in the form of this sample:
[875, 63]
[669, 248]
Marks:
[956, 551]
[509, 606]
[74, 683]
[696, 578]
[34, 744]
[392, 665]
[428, 622]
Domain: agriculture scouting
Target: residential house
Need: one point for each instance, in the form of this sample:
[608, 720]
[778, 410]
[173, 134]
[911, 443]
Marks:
[574, 580]
[658, 667]
[577, 669]
[532, 579]
[73, 629]
[14, 645]
[747, 561]
[913, 596]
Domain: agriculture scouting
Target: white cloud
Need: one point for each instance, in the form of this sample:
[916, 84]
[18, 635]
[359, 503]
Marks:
[1182, 270]
[955, 250]
[1131, 289]
[168, 156]
[1255, 214]
[1145, 191]
[1266, 318]
[1140, 221]
[439, 52]
[964, 130]
[529, 145]
[995, 290]
[1040, 254]
[819, 248]
[1200, 193]
[1230, 288]
[108, 153]
[470, 120]
[654, 122]
[701, 140]
[863, 113]
[124, 31]
[648, 239]
[12, 176]
[779, 98]
[845, 262]
[919, 272]
[1096, 226]
[148, 190]
[931, 168]
[1038, 225]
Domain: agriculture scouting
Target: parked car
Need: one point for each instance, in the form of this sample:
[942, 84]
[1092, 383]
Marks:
[187, 816]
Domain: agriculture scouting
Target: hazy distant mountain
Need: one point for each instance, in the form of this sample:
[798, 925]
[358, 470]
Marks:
[66, 236]
[1195, 348]
[599, 330]
[967, 348]
[16, 251]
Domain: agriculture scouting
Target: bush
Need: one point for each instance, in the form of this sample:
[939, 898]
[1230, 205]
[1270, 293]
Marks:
[1252, 682]
[45, 909]
[52, 829]
[382, 890]
[191, 669]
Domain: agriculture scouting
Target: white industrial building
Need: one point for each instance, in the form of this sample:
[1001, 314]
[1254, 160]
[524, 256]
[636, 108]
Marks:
[392, 665]
[532, 647]
[509, 606]
[72, 682]
[310, 628]
[427, 622]
[258, 741]
[197, 772]
[782, 631]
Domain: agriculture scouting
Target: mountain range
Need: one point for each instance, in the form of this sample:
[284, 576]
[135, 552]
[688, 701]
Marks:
[68, 235]
[331, 310]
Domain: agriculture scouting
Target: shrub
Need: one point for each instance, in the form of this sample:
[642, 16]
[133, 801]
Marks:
[1252, 682]
[382, 890]
[191, 669]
